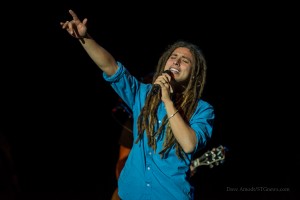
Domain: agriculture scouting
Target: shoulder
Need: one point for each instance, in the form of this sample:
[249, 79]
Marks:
[204, 104]
[204, 109]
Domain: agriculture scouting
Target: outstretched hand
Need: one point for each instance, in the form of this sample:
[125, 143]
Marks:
[76, 28]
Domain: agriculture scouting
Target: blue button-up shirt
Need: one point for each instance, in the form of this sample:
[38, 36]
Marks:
[146, 175]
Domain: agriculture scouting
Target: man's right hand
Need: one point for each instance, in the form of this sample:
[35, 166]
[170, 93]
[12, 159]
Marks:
[76, 28]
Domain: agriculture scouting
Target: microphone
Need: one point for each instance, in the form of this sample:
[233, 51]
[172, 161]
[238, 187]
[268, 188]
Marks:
[156, 87]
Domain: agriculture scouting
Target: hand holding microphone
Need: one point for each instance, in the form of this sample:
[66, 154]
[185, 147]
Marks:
[157, 87]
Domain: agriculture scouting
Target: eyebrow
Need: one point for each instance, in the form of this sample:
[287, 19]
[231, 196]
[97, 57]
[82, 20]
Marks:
[176, 54]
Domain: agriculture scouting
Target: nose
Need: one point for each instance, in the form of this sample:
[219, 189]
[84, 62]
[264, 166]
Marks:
[176, 62]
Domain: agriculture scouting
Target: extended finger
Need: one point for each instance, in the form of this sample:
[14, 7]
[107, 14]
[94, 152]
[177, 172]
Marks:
[84, 21]
[73, 14]
[64, 24]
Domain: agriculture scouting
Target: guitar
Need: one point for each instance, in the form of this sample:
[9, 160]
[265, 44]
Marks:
[211, 158]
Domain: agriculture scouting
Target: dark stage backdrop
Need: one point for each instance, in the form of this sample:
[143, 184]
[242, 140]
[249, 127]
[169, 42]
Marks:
[56, 108]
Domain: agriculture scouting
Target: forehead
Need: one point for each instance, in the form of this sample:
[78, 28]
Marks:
[183, 52]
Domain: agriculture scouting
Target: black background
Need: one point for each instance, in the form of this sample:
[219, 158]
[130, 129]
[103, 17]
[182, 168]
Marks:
[56, 108]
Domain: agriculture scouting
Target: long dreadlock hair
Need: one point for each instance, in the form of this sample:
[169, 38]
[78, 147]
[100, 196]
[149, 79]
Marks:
[186, 101]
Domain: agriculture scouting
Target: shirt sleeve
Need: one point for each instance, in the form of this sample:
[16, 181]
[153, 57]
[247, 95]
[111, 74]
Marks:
[202, 123]
[124, 84]
[130, 89]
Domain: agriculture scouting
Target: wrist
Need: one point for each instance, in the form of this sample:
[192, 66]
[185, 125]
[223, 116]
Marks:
[173, 114]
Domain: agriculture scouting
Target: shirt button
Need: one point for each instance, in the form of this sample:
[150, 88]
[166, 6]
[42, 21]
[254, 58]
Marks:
[159, 121]
[148, 185]
[148, 168]
[150, 153]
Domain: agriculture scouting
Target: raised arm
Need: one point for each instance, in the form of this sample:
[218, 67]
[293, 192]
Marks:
[78, 29]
